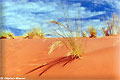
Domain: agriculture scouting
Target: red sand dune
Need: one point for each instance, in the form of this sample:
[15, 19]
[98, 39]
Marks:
[100, 61]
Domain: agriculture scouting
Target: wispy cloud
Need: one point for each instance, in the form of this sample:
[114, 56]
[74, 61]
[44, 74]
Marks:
[25, 14]
[114, 3]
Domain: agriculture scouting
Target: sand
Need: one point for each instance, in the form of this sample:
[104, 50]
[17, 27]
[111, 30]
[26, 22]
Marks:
[100, 61]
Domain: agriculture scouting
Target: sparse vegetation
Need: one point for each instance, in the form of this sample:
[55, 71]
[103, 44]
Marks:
[7, 35]
[112, 26]
[92, 31]
[34, 33]
[84, 34]
[69, 40]
[105, 32]
[69, 37]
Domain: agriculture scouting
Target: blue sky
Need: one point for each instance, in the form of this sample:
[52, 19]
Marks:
[22, 15]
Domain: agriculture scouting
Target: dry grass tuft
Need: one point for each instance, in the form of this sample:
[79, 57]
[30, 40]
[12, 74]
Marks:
[35, 33]
[112, 26]
[84, 34]
[7, 35]
[92, 31]
[70, 39]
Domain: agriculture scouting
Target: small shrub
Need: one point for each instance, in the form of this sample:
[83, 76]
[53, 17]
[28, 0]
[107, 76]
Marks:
[35, 33]
[92, 31]
[7, 35]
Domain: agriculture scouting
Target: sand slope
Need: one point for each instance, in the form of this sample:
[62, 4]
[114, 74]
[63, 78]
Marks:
[99, 61]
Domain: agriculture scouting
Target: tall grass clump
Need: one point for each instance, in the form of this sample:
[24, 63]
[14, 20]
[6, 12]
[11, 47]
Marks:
[34, 33]
[112, 26]
[7, 35]
[92, 31]
[69, 37]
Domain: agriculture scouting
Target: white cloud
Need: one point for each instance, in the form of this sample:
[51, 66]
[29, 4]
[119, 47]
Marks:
[20, 15]
[114, 3]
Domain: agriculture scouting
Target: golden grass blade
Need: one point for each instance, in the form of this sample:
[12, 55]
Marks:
[52, 47]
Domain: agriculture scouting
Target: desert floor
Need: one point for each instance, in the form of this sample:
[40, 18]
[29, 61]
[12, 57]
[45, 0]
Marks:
[100, 61]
